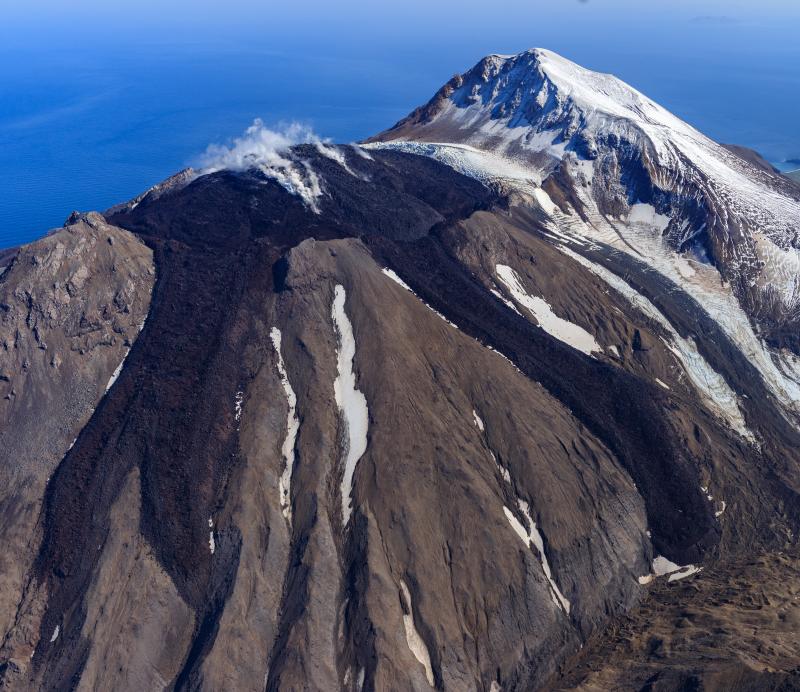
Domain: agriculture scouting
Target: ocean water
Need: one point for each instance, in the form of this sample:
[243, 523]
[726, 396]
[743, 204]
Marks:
[94, 109]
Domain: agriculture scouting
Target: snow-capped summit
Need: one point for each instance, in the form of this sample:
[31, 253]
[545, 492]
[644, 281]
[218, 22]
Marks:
[536, 90]
[592, 148]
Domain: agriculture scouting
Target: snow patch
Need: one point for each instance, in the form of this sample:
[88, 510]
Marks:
[646, 214]
[684, 572]
[394, 277]
[351, 402]
[237, 405]
[478, 422]
[544, 201]
[292, 427]
[662, 567]
[503, 471]
[508, 302]
[117, 371]
[212, 546]
[56, 631]
[415, 643]
[533, 538]
[563, 330]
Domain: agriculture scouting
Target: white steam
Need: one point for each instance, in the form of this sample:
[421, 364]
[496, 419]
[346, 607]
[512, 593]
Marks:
[269, 151]
[258, 146]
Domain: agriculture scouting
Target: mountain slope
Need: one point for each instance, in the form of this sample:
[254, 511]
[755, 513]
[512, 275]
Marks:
[392, 427]
[71, 306]
[605, 149]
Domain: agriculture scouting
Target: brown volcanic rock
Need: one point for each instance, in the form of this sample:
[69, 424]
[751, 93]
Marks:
[137, 623]
[71, 306]
[431, 507]
[732, 627]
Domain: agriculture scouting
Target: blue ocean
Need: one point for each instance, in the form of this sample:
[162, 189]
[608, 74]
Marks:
[97, 104]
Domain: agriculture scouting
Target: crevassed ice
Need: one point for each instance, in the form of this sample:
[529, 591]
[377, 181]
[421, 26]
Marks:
[709, 383]
[484, 166]
[701, 281]
[561, 329]
[351, 402]
[415, 643]
[292, 427]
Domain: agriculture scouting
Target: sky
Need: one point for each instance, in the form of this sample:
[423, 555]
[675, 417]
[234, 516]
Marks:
[100, 100]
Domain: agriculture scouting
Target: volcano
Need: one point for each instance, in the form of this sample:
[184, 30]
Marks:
[502, 398]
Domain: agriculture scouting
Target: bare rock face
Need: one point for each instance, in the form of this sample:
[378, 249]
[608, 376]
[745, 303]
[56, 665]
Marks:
[413, 426]
[72, 305]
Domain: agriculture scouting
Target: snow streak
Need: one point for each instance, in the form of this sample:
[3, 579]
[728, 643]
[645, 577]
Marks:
[533, 538]
[563, 330]
[716, 392]
[292, 427]
[415, 642]
[351, 402]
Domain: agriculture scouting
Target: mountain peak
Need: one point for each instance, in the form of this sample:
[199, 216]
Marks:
[542, 127]
[536, 89]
